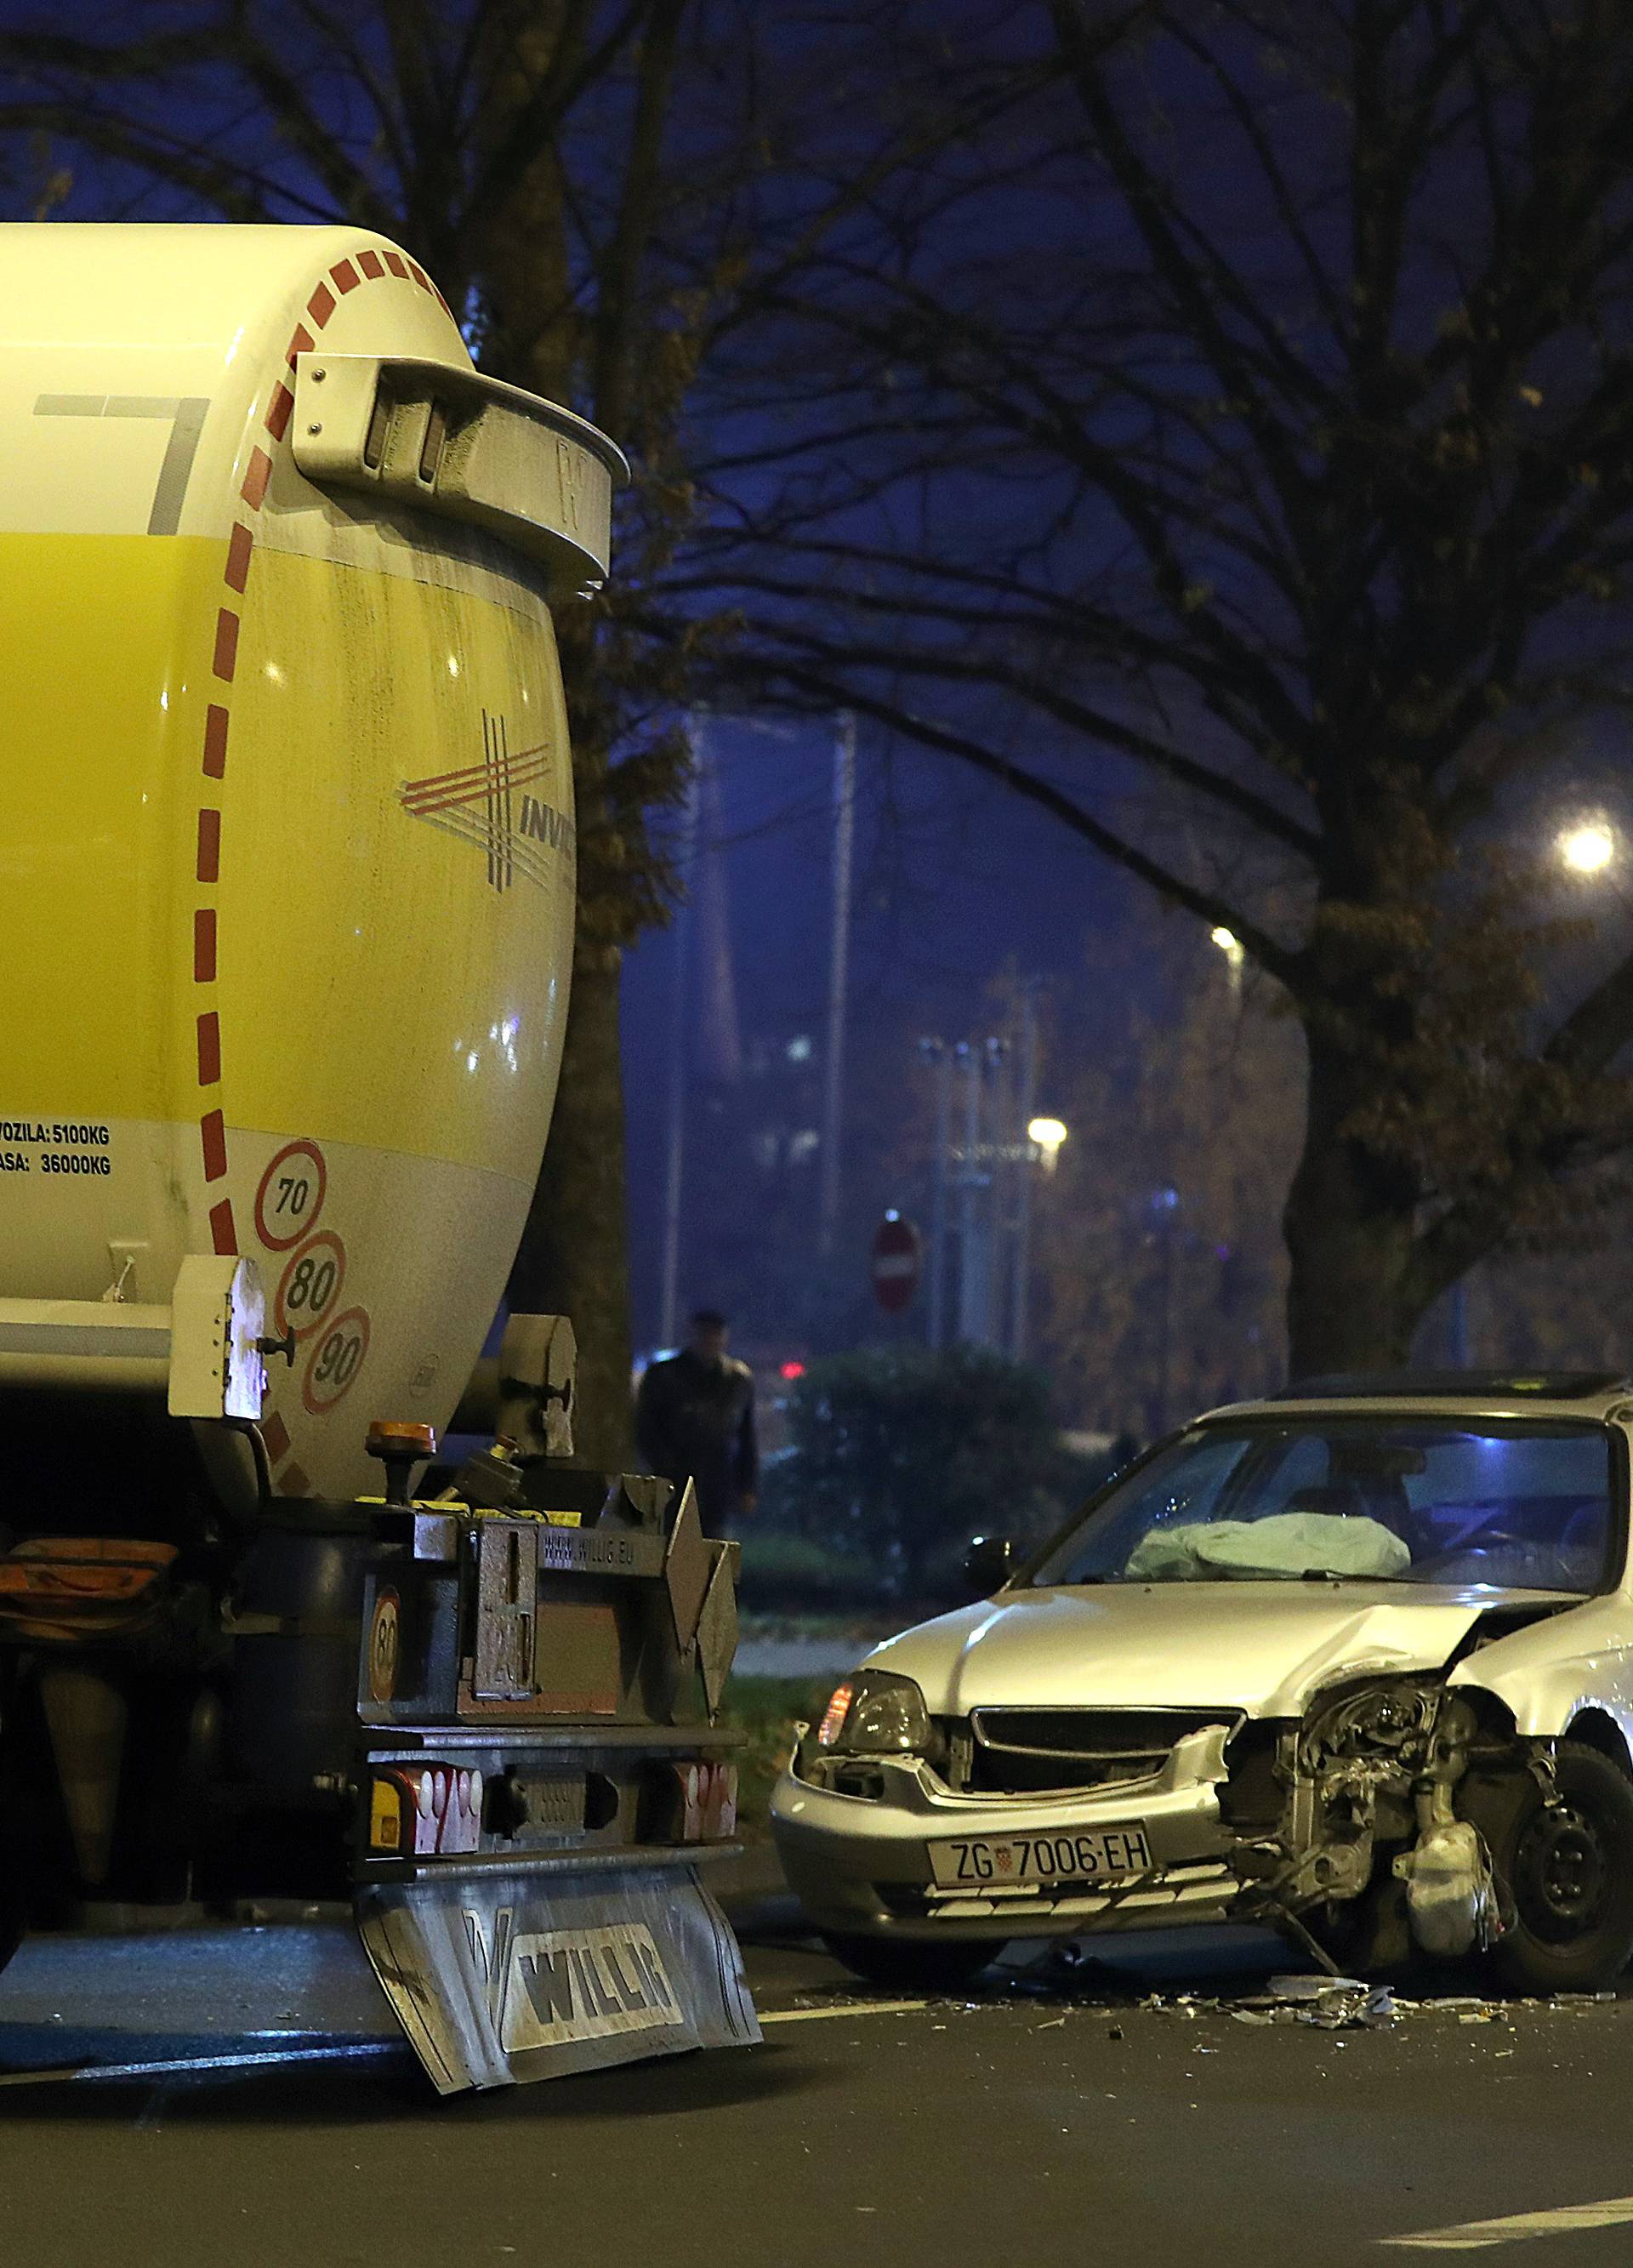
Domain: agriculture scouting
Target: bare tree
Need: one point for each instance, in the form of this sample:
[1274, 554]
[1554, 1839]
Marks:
[1157, 1251]
[1250, 423]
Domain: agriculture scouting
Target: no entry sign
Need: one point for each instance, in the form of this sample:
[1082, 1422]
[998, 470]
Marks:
[898, 1253]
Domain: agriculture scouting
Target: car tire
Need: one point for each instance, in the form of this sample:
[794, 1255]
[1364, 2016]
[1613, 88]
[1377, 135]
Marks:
[909, 1964]
[1564, 1877]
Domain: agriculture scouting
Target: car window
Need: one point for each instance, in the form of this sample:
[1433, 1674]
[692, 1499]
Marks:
[1432, 1500]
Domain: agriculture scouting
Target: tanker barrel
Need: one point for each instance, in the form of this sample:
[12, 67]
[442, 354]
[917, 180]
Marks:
[478, 1410]
[290, 810]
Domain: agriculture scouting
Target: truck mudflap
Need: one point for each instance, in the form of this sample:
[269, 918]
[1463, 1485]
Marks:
[502, 1977]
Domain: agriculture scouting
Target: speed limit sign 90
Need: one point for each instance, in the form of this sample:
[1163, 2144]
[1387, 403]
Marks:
[337, 1358]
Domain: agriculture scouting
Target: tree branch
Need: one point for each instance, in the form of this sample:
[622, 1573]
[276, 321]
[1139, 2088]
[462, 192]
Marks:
[1207, 905]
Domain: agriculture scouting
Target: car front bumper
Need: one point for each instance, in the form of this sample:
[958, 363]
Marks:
[862, 1865]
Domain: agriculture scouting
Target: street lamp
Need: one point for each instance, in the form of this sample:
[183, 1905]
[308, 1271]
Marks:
[1047, 1135]
[1235, 952]
[1589, 847]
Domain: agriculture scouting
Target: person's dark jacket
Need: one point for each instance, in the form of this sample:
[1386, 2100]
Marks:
[695, 1418]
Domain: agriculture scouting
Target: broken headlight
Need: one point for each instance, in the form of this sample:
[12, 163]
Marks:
[1381, 1719]
[875, 1713]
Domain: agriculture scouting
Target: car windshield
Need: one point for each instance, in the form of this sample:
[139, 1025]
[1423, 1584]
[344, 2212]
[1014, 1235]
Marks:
[1523, 1505]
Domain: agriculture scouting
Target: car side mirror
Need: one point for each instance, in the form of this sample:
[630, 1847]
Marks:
[989, 1564]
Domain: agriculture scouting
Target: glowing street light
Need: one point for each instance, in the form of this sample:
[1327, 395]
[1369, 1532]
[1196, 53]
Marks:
[1235, 954]
[1589, 848]
[1047, 1135]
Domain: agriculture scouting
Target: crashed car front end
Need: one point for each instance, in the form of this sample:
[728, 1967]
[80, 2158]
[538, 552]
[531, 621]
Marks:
[1366, 1819]
[927, 1854]
[1392, 1762]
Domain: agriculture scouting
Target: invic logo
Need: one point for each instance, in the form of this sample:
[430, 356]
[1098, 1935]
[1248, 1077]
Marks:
[493, 805]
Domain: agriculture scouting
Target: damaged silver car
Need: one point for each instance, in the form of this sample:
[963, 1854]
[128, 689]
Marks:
[1357, 1662]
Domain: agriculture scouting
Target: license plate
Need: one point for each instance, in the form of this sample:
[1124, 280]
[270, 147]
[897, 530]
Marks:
[1053, 1855]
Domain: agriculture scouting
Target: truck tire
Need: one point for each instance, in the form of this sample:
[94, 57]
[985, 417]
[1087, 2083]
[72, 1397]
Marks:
[1564, 1877]
[13, 1905]
[910, 1965]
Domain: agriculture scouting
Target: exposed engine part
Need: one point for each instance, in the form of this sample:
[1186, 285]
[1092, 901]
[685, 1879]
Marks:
[1374, 1769]
[1350, 1771]
[1393, 1720]
[1450, 1898]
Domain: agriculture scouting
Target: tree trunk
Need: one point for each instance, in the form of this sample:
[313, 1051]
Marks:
[1349, 1222]
[572, 1260]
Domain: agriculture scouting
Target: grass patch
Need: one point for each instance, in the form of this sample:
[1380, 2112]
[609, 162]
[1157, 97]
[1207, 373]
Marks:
[768, 1709]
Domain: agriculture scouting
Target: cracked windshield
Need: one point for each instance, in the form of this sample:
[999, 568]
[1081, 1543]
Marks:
[1521, 1506]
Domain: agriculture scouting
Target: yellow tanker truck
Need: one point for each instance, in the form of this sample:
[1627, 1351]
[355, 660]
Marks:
[288, 866]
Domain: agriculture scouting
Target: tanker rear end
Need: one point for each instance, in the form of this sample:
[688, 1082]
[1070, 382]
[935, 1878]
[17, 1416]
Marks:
[289, 838]
[290, 868]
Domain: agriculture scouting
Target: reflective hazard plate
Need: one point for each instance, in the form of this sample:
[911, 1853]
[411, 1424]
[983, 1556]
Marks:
[1052, 1854]
[502, 1976]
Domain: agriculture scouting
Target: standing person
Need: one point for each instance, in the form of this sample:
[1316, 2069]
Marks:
[695, 1419]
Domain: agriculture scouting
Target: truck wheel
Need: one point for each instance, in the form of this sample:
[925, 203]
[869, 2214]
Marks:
[909, 1964]
[13, 1905]
[1565, 1874]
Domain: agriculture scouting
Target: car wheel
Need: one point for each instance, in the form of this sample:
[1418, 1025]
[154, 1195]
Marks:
[1565, 1874]
[912, 1965]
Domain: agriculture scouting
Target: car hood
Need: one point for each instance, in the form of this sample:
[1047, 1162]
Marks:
[1262, 1648]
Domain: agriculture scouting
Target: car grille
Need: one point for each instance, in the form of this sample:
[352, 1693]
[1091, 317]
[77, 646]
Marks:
[1029, 1751]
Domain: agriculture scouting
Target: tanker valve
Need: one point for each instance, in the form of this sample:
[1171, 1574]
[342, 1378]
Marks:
[491, 1479]
[399, 1445]
[285, 1346]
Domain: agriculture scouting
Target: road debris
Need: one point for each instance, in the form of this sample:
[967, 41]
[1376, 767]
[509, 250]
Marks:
[1331, 2004]
[1335, 2004]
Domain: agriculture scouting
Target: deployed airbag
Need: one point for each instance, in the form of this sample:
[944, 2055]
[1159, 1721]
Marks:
[1286, 1543]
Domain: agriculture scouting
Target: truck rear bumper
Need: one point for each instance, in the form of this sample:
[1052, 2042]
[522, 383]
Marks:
[499, 1976]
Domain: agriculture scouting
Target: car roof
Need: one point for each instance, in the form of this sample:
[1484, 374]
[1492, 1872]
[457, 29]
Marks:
[1581, 1394]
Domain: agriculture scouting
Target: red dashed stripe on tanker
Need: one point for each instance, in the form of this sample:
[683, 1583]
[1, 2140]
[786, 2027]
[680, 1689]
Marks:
[345, 275]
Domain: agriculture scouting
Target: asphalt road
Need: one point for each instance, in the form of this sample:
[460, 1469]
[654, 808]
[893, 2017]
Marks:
[1067, 2126]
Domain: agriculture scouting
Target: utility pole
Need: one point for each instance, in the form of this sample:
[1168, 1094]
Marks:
[679, 989]
[1026, 1167]
[838, 979]
[935, 1051]
[970, 1062]
[981, 1060]
[1164, 1214]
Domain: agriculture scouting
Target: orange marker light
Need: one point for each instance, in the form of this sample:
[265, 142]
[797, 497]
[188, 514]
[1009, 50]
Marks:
[834, 1716]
